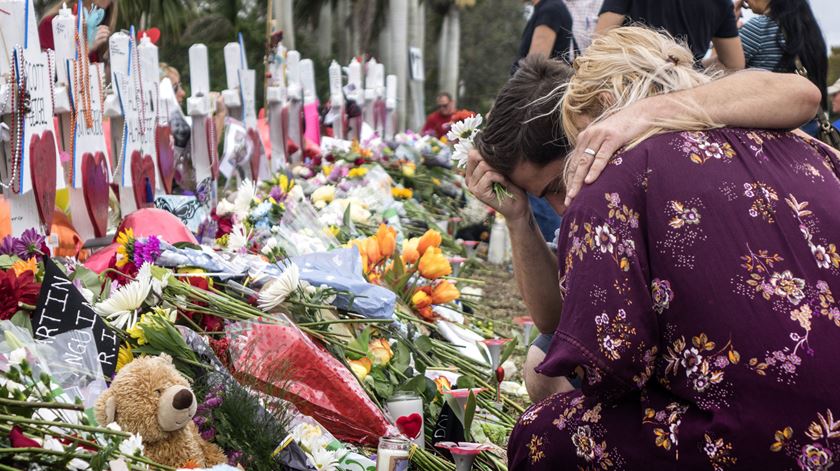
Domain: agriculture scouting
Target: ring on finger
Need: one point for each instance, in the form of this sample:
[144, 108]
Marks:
[589, 151]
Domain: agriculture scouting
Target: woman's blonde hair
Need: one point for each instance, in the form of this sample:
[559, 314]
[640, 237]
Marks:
[624, 66]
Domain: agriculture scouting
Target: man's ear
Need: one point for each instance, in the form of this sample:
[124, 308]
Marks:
[105, 409]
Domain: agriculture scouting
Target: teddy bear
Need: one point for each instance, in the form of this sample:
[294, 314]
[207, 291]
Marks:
[149, 397]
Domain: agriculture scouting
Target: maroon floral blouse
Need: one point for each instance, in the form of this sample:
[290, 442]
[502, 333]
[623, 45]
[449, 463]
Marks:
[700, 276]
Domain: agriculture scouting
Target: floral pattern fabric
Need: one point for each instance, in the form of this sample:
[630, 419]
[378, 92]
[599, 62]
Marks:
[699, 276]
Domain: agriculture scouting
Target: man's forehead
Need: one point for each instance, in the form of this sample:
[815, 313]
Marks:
[534, 178]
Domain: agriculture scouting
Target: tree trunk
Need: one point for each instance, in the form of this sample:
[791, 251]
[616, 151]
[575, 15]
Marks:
[450, 43]
[344, 30]
[364, 12]
[416, 38]
[325, 32]
[398, 19]
[385, 48]
[284, 12]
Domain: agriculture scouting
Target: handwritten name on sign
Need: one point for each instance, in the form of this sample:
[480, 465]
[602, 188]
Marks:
[62, 308]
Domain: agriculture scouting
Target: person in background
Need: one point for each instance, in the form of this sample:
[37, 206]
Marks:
[584, 19]
[698, 23]
[438, 122]
[834, 96]
[548, 33]
[97, 51]
[175, 77]
[782, 31]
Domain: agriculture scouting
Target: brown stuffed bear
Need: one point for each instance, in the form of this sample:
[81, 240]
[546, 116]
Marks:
[150, 398]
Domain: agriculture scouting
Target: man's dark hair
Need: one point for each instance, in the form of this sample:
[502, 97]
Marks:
[446, 94]
[521, 126]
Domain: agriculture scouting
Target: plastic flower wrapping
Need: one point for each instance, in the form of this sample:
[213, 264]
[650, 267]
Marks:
[302, 304]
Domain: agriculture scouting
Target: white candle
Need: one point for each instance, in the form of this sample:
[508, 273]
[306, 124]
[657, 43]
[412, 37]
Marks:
[404, 406]
[392, 454]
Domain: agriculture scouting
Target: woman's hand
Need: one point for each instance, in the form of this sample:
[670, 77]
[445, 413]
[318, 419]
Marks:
[102, 34]
[599, 141]
[480, 179]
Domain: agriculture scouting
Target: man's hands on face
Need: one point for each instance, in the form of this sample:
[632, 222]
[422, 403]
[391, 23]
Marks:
[480, 178]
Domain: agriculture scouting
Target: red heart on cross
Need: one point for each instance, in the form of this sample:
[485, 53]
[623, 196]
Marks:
[165, 156]
[291, 147]
[255, 154]
[410, 425]
[43, 170]
[212, 147]
[95, 190]
[143, 179]
[153, 34]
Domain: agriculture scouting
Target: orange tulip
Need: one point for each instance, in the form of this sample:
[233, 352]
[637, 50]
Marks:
[434, 265]
[409, 251]
[386, 237]
[443, 384]
[445, 292]
[421, 299]
[430, 239]
[374, 255]
[362, 246]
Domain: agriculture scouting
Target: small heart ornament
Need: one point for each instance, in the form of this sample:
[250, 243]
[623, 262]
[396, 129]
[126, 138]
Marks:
[95, 190]
[410, 425]
[42, 167]
[143, 179]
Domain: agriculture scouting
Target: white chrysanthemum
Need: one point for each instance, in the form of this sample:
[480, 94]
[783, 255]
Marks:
[324, 194]
[464, 130]
[238, 238]
[245, 194]
[276, 291]
[132, 445]
[121, 307]
[269, 246]
[324, 459]
[224, 208]
[114, 426]
[17, 356]
[462, 153]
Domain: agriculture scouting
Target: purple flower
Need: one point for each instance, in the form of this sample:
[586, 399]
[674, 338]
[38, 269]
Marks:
[7, 246]
[30, 244]
[209, 434]
[234, 457]
[200, 420]
[213, 402]
[277, 193]
[146, 251]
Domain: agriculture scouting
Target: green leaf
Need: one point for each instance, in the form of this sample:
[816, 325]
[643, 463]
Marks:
[6, 261]
[469, 414]
[22, 320]
[87, 277]
[466, 382]
[100, 459]
[456, 408]
[424, 344]
[346, 221]
[402, 356]
[508, 351]
[186, 245]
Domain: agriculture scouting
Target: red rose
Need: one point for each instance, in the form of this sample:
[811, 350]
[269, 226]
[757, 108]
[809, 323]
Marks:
[19, 440]
[211, 323]
[16, 289]
[224, 224]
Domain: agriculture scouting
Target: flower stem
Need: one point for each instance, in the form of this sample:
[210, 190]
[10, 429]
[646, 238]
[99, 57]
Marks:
[42, 405]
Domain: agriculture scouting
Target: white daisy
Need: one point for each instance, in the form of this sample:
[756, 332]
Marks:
[462, 153]
[324, 459]
[238, 238]
[132, 445]
[121, 307]
[464, 130]
[245, 194]
[277, 290]
[17, 356]
[224, 208]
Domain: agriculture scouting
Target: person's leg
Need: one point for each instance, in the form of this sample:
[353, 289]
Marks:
[540, 386]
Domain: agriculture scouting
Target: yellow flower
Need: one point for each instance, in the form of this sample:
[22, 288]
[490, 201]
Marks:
[124, 240]
[445, 292]
[357, 172]
[381, 351]
[22, 266]
[436, 181]
[286, 184]
[126, 237]
[333, 230]
[443, 384]
[386, 238]
[430, 239]
[327, 169]
[361, 368]
[402, 193]
[410, 254]
[124, 356]
[433, 264]
[136, 331]
[421, 299]
[409, 169]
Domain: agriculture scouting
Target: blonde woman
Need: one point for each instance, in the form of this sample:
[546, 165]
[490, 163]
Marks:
[699, 276]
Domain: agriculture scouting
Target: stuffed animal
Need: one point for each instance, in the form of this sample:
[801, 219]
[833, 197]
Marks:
[149, 397]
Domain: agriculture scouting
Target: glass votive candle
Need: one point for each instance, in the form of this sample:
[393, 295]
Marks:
[406, 411]
[392, 454]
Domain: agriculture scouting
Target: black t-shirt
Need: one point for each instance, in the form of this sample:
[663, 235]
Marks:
[555, 15]
[694, 21]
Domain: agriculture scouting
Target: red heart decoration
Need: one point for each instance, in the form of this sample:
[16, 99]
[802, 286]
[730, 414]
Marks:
[212, 147]
[291, 147]
[255, 154]
[165, 156]
[95, 190]
[152, 33]
[42, 168]
[410, 425]
[143, 179]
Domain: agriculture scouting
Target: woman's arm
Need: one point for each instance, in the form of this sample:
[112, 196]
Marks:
[750, 98]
